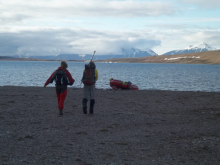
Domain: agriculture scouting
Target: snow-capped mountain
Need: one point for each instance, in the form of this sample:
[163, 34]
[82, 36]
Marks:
[192, 48]
[125, 53]
[135, 52]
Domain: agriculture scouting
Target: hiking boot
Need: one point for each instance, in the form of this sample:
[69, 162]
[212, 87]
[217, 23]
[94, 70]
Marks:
[60, 112]
[84, 103]
[92, 103]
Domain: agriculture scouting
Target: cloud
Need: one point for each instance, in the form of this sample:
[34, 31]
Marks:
[115, 46]
[212, 36]
[28, 43]
[22, 10]
[31, 27]
[204, 3]
[179, 39]
[69, 41]
[54, 41]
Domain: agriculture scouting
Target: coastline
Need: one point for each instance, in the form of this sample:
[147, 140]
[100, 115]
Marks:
[205, 57]
[128, 127]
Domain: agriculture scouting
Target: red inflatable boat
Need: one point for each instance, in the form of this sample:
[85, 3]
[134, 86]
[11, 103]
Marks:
[115, 84]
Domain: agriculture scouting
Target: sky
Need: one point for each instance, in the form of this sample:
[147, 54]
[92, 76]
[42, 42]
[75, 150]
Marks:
[52, 27]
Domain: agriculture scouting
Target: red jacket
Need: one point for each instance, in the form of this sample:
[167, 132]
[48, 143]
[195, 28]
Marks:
[71, 80]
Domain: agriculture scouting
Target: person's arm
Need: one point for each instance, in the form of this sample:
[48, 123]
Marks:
[49, 79]
[70, 78]
[83, 75]
[96, 75]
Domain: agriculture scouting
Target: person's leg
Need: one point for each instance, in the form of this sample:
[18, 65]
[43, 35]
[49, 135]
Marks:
[92, 103]
[86, 98]
[62, 99]
[61, 92]
[84, 102]
[92, 99]
[58, 98]
[58, 94]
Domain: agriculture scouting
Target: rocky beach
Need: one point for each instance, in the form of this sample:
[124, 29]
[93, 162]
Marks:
[128, 127]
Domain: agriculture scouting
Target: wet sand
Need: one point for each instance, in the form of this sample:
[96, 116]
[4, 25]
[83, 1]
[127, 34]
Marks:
[127, 127]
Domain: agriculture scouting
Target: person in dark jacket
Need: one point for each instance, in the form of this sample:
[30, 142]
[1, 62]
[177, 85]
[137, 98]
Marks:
[62, 78]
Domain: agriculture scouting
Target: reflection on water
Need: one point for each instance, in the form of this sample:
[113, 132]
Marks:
[179, 77]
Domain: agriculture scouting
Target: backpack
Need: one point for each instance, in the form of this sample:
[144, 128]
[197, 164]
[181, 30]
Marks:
[89, 75]
[60, 77]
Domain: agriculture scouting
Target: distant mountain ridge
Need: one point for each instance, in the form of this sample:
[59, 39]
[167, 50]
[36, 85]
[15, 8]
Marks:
[135, 52]
[204, 57]
[201, 47]
[126, 53]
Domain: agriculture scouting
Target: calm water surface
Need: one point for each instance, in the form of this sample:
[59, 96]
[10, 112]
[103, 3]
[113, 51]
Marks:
[175, 77]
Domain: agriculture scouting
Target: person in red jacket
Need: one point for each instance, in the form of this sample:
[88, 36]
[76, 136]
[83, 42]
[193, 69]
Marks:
[62, 78]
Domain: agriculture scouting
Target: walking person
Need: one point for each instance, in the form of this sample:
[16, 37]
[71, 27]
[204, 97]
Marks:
[90, 76]
[62, 78]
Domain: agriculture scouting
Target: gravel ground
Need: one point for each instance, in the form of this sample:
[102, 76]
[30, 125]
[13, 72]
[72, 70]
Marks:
[127, 128]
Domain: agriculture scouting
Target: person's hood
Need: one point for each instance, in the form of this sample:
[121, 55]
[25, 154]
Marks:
[60, 68]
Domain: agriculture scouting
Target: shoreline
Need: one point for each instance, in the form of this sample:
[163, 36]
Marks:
[128, 127]
[110, 89]
[204, 57]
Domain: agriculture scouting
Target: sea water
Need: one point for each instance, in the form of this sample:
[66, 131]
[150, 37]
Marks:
[175, 77]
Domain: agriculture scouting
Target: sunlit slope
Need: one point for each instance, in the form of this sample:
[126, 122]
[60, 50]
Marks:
[207, 57]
